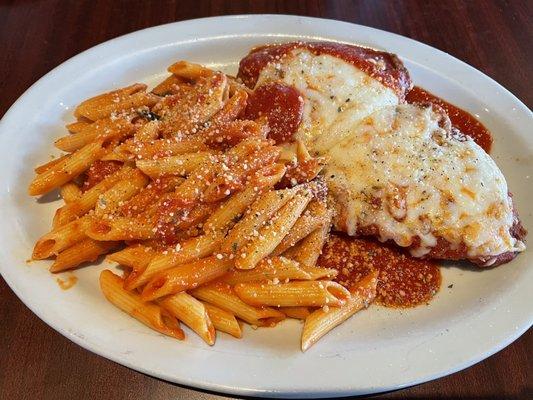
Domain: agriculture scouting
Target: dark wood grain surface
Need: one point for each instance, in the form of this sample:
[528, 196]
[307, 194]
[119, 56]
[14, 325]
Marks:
[495, 37]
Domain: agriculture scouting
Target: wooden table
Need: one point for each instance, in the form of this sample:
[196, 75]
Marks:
[36, 36]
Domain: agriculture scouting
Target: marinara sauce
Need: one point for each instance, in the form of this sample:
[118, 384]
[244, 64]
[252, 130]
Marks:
[461, 119]
[403, 281]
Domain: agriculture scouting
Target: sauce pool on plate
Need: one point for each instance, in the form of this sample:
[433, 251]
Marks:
[68, 283]
[403, 281]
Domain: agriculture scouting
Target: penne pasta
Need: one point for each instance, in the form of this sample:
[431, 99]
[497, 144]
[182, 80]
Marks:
[305, 293]
[310, 248]
[259, 212]
[135, 257]
[295, 312]
[120, 228]
[88, 199]
[102, 106]
[149, 314]
[235, 105]
[221, 295]
[189, 71]
[321, 321]
[316, 273]
[147, 133]
[70, 192]
[223, 320]
[162, 147]
[104, 129]
[87, 250]
[231, 210]
[311, 219]
[120, 192]
[168, 86]
[185, 277]
[189, 250]
[61, 238]
[272, 234]
[235, 177]
[45, 167]
[66, 169]
[276, 269]
[77, 126]
[153, 194]
[192, 313]
[175, 165]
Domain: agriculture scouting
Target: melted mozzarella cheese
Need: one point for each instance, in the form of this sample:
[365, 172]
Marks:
[337, 95]
[391, 167]
[402, 173]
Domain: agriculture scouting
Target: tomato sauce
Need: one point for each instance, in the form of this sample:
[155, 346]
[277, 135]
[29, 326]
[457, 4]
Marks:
[283, 107]
[403, 281]
[460, 119]
[98, 171]
[68, 283]
[384, 67]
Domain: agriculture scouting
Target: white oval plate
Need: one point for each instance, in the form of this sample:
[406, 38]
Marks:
[377, 350]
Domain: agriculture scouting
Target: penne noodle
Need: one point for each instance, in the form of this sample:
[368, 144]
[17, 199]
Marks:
[189, 71]
[148, 132]
[321, 321]
[45, 167]
[135, 257]
[192, 189]
[276, 269]
[302, 154]
[223, 136]
[104, 129]
[295, 312]
[182, 164]
[259, 212]
[120, 192]
[235, 105]
[236, 176]
[192, 313]
[107, 97]
[120, 228]
[126, 99]
[61, 238]
[310, 248]
[184, 218]
[271, 235]
[87, 250]
[223, 320]
[67, 169]
[77, 126]
[269, 175]
[153, 194]
[221, 295]
[312, 218]
[88, 199]
[163, 147]
[149, 314]
[230, 210]
[184, 252]
[70, 192]
[296, 293]
[316, 273]
[185, 277]
[168, 86]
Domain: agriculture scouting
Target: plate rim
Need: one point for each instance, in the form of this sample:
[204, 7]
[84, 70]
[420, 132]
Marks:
[83, 342]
